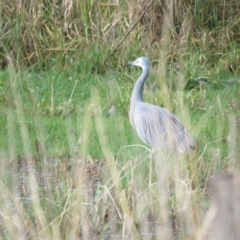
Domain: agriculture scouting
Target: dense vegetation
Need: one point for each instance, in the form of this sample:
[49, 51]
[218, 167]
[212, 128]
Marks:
[68, 170]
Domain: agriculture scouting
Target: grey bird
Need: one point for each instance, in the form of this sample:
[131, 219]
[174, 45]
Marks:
[156, 126]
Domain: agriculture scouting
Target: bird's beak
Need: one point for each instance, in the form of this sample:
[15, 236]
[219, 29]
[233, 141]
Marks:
[129, 64]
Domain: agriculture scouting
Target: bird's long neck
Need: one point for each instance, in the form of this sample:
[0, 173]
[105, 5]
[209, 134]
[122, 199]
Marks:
[138, 87]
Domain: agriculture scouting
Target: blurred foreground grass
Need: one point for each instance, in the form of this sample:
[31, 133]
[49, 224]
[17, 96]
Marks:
[69, 171]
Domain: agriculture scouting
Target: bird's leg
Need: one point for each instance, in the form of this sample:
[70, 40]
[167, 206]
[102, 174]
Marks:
[151, 156]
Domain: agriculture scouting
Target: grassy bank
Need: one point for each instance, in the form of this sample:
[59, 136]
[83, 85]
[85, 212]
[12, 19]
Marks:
[89, 172]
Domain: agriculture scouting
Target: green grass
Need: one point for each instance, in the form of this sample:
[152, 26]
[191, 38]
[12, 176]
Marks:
[56, 98]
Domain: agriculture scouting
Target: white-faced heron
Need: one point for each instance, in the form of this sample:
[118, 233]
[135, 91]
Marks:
[156, 126]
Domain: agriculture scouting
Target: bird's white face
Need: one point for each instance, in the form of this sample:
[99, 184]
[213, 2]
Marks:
[142, 62]
[138, 62]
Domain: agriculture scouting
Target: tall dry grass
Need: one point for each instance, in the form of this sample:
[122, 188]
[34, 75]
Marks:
[38, 33]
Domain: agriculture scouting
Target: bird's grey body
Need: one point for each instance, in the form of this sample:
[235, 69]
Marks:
[156, 126]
